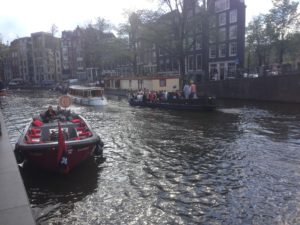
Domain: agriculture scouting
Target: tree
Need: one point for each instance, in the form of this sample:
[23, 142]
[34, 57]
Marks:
[100, 46]
[293, 47]
[181, 13]
[3, 55]
[53, 29]
[258, 41]
[55, 46]
[283, 19]
[138, 33]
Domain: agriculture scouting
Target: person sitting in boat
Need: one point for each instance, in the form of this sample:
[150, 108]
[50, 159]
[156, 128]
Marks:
[49, 115]
[53, 135]
[60, 113]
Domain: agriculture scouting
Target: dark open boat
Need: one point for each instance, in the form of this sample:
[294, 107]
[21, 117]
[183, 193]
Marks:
[59, 145]
[2, 92]
[199, 104]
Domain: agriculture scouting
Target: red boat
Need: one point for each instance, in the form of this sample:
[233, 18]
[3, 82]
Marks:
[59, 145]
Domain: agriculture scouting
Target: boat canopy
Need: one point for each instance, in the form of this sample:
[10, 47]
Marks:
[86, 92]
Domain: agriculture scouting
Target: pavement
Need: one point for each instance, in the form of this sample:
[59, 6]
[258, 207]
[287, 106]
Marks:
[14, 204]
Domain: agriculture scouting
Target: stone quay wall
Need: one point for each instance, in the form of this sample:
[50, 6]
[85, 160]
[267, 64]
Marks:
[284, 88]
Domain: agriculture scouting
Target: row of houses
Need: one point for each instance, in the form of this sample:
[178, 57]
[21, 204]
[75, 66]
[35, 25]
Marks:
[212, 52]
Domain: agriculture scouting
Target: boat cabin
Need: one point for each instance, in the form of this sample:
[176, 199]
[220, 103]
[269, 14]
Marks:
[86, 92]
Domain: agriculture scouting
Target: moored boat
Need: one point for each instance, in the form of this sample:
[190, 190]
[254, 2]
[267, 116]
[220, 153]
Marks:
[2, 92]
[59, 145]
[2, 89]
[92, 96]
[200, 104]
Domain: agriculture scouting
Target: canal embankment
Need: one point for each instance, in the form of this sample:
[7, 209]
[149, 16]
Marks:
[14, 204]
[284, 88]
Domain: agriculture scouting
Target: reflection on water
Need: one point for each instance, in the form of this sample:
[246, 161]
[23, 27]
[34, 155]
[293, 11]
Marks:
[238, 165]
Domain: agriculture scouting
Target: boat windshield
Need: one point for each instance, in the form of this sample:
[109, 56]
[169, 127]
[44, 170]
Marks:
[86, 92]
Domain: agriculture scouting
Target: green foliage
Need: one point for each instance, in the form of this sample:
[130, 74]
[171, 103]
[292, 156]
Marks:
[269, 36]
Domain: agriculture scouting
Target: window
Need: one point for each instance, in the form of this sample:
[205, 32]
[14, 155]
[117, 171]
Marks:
[198, 28]
[231, 69]
[222, 19]
[213, 71]
[222, 5]
[222, 50]
[233, 32]
[162, 83]
[189, 43]
[161, 65]
[199, 62]
[175, 65]
[160, 52]
[198, 43]
[222, 34]
[212, 52]
[168, 65]
[233, 16]
[232, 49]
[191, 62]
[212, 36]
[212, 22]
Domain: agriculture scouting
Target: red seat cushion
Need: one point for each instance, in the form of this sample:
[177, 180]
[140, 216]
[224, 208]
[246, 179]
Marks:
[37, 123]
[76, 121]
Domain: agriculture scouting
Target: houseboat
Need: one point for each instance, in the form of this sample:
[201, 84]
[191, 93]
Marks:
[91, 96]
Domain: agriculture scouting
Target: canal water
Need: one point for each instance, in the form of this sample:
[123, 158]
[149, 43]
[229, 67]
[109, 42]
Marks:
[238, 165]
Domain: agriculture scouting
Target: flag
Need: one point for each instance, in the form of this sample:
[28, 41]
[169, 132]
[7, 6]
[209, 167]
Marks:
[62, 154]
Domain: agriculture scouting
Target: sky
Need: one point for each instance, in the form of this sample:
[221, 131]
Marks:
[20, 18]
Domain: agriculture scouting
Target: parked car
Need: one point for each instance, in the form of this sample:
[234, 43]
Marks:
[16, 82]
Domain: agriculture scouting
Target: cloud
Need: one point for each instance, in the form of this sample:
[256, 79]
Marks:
[21, 18]
[11, 28]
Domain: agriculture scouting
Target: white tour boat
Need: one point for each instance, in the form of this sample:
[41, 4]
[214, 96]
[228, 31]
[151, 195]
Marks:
[93, 96]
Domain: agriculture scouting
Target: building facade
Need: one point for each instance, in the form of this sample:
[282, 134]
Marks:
[73, 65]
[46, 58]
[226, 38]
[19, 63]
[214, 43]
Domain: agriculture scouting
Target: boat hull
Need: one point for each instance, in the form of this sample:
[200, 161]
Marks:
[3, 92]
[45, 157]
[89, 101]
[201, 104]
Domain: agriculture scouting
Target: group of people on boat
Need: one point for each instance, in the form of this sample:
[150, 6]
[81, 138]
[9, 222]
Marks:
[189, 92]
[50, 114]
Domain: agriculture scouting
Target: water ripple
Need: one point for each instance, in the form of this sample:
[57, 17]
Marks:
[239, 165]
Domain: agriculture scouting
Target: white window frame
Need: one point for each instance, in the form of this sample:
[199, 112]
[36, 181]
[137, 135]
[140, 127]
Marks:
[191, 62]
[198, 42]
[233, 32]
[198, 66]
[232, 49]
[222, 19]
[233, 16]
[222, 5]
[222, 31]
[212, 49]
[222, 49]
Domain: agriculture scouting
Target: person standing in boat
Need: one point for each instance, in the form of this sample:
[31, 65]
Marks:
[187, 90]
[193, 87]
